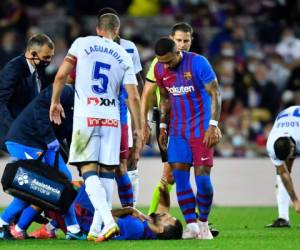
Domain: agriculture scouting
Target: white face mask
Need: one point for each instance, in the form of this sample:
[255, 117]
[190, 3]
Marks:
[252, 67]
[227, 52]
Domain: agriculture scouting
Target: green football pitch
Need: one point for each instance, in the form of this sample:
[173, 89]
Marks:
[240, 228]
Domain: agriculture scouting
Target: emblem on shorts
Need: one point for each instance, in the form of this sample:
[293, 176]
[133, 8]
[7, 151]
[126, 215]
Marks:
[187, 75]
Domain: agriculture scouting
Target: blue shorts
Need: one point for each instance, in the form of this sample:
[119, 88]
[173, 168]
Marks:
[189, 151]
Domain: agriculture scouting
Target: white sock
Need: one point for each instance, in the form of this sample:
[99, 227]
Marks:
[283, 199]
[74, 229]
[18, 229]
[96, 225]
[134, 178]
[109, 188]
[3, 223]
[97, 196]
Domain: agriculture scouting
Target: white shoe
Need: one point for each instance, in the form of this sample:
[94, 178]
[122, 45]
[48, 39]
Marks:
[191, 231]
[205, 233]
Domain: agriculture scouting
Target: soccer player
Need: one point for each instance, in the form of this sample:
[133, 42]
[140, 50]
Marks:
[102, 66]
[29, 134]
[128, 185]
[282, 145]
[181, 34]
[133, 224]
[190, 99]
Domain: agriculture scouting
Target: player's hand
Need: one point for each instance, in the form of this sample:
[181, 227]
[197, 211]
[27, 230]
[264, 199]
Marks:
[56, 112]
[212, 136]
[296, 205]
[137, 214]
[163, 139]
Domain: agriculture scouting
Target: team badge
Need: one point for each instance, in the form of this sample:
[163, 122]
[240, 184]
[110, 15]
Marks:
[187, 75]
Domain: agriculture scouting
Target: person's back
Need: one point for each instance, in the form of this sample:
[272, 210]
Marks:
[105, 63]
[33, 128]
[287, 124]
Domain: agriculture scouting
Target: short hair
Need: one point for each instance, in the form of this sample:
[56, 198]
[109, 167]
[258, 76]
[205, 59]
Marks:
[39, 40]
[182, 26]
[164, 45]
[282, 148]
[171, 232]
[107, 10]
[108, 22]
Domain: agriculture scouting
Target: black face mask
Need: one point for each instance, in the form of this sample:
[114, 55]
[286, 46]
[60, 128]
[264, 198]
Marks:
[42, 64]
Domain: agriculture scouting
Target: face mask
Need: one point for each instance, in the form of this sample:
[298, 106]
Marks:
[42, 64]
[227, 52]
[252, 67]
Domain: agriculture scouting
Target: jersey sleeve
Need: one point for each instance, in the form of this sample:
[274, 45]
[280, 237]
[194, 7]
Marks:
[204, 70]
[74, 48]
[136, 60]
[129, 76]
[150, 74]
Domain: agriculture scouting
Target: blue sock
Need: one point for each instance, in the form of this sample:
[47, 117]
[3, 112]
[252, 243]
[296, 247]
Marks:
[70, 216]
[14, 208]
[125, 190]
[27, 217]
[185, 195]
[204, 196]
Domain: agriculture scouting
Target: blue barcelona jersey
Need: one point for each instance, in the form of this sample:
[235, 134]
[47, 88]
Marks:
[190, 102]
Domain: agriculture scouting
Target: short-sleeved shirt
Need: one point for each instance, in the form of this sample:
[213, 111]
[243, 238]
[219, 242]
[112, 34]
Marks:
[151, 78]
[190, 102]
[131, 49]
[102, 66]
[287, 124]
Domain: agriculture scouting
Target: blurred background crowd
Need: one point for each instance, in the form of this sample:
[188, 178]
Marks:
[252, 45]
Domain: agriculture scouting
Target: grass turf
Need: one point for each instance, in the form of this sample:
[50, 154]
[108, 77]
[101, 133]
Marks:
[240, 228]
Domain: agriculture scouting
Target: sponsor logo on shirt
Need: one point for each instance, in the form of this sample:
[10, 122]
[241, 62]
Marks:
[182, 90]
[99, 101]
[99, 122]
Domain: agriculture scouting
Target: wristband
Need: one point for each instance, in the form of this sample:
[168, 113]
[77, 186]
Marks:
[213, 123]
[163, 125]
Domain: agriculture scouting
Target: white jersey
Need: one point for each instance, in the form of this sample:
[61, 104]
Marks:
[133, 52]
[102, 66]
[289, 50]
[287, 123]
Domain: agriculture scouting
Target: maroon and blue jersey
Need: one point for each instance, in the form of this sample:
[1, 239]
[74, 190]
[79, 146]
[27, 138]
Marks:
[190, 102]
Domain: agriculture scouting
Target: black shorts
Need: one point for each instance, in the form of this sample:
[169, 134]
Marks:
[163, 154]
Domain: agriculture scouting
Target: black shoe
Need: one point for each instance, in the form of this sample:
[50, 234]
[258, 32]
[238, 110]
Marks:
[5, 233]
[279, 223]
[213, 231]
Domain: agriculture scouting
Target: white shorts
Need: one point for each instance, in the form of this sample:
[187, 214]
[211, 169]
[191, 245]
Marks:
[95, 140]
[130, 137]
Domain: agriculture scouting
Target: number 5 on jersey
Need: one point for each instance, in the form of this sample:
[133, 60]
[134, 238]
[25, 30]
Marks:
[99, 67]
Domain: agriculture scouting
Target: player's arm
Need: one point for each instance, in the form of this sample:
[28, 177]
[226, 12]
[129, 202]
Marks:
[164, 198]
[164, 109]
[140, 81]
[288, 183]
[213, 133]
[120, 212]
[134, 105]
[146, 105]
[64, 70]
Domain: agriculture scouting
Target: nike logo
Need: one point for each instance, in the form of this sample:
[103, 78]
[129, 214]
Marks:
[204, 158]
[166, 78]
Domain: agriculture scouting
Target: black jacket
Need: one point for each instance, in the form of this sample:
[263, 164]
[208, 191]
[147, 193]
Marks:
[18, 88]
[33, 127]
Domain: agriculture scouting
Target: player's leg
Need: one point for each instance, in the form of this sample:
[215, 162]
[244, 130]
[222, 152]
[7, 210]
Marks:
[180, 158]
[109, 158]
[125, 190]
[283, 201]
[203, 161]
[84, 153]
